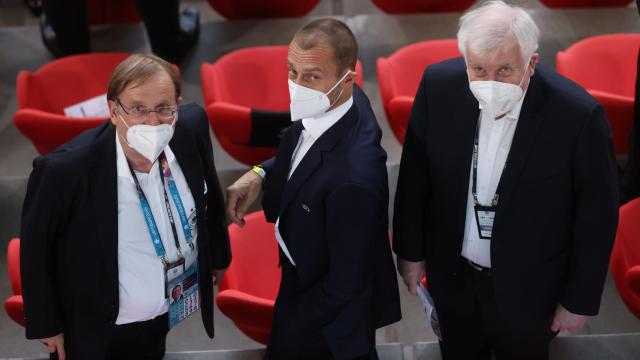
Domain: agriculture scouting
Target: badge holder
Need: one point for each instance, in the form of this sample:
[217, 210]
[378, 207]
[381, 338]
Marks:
[182, 292]
[484, 220]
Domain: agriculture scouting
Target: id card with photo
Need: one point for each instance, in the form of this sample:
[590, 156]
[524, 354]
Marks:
[183, 296]
[484, 220]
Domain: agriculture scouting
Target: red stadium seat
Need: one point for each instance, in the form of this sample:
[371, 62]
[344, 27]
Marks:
[625, 257]
[43, 95]
[243, 83]
[250, 286]
[399, 76]
[14, 305]
[585, 3]
[113, 12]
[606, 67]
[251, 9]
[422, 6]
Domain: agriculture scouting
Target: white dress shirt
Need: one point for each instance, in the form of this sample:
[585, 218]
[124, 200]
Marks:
[140, 270]
[494, 143]
[313, 129]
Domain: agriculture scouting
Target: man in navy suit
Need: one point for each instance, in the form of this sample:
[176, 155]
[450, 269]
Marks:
[326, 190]
[507, 194]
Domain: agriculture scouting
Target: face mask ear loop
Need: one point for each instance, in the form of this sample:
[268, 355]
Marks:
[334, 86]
[338, 83]
[128, 127]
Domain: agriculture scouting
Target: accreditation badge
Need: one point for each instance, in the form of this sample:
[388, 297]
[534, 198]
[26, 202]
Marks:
[484, 220]
[183, 295]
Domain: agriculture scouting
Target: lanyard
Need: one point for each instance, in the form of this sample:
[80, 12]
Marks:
[148, 215]
[474, 190]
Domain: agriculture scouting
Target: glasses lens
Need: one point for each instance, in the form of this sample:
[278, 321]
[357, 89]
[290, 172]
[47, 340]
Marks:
[166, 113]
[139, 113]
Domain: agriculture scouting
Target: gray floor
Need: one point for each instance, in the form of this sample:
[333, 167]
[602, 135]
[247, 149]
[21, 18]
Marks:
[378, 35]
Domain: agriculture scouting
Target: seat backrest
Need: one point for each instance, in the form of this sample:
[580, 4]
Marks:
[252, 9]
[252, 77]
[585, 3]
[628, 234]
[254, 268]
[605, 62]
[422, 6]
[13, 266]
[406, 65]
[66, 81]
[113, 12]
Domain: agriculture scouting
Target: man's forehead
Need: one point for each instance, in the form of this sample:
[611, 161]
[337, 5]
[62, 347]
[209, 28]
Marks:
[315, 57]
[494, 58]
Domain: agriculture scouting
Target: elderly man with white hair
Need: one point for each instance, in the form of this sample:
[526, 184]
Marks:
[507, 194]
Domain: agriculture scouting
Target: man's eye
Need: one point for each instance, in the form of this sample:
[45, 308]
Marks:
[138, 109]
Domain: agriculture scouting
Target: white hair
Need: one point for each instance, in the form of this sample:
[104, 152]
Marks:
[489, 26]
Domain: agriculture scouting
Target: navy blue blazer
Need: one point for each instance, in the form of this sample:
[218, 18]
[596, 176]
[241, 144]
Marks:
[334, 221]
[69, 236]
[558, 209]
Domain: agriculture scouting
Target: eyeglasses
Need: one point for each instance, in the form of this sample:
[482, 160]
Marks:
[142, 113]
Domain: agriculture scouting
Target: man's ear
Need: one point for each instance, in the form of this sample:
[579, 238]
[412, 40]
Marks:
[531, 67]
[113, 108]
[179, 100]
[351, 78]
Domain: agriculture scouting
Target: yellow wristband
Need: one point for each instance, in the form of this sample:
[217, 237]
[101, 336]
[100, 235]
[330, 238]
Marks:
[260, 171]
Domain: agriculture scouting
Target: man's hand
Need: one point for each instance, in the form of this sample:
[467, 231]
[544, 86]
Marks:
[218, 276]
[411, 273]
[567, 321]
[54, 344]
[241, 194]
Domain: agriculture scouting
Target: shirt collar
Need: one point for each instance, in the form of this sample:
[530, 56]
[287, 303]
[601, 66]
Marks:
[316, 126]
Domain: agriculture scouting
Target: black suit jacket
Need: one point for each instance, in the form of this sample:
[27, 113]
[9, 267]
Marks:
[333, 219]
[69, 237]
[557, 214]
[630, 182]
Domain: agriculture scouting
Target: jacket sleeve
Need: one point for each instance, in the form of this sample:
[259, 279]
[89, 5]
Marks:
[353, 211]
[413, 184]
[39, 230]
[267, 165]
[596, 216]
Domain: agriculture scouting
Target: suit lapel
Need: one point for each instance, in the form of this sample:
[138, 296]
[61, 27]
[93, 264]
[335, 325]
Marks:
[278, 177]
[104, 194]
[184, 148]
[313, 158]
[463, 121]
[523, 140]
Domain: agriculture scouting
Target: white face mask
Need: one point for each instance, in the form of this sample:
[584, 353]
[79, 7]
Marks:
[498, 98]
[306, 102]
[149, 140]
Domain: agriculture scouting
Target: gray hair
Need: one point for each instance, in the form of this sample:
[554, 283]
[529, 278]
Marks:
[487, 27]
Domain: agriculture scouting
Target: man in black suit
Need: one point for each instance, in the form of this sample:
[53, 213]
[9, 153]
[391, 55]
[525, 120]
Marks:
[94, 278]
[506, 194]
[327, 192]
[630, 182]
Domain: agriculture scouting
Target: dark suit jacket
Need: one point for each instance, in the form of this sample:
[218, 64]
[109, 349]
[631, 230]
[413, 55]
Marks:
[69, 237]
[333, 219]
[630, 182]
[557, 214]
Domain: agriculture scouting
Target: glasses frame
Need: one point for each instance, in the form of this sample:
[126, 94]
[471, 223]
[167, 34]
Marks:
[145, 116]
